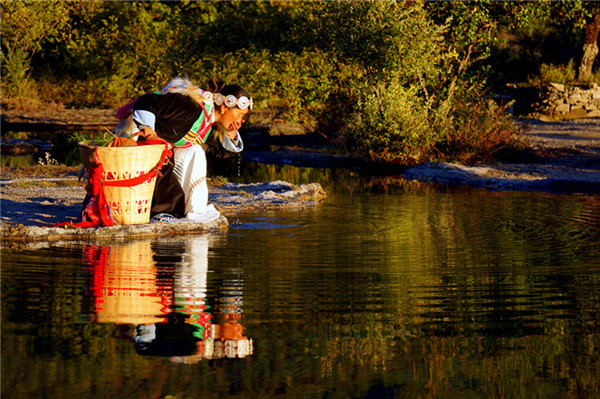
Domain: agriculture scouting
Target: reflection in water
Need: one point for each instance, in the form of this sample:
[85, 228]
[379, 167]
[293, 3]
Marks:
[167, 316]
[415, 291]
[123, 283]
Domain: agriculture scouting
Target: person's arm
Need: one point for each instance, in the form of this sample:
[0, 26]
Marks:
[168, 116]
[145, 122]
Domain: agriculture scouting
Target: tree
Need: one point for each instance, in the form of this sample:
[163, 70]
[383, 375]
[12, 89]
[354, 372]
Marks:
[580, 16]
[590, 47]
[25, 27]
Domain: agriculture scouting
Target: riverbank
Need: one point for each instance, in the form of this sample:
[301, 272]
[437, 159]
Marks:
[29, 206]
[564, 157]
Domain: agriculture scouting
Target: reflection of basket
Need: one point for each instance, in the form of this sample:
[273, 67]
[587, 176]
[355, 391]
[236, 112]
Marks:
[128, 205]
[126, 286]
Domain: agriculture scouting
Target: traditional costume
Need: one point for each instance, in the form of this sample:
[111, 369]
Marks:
[187, 124]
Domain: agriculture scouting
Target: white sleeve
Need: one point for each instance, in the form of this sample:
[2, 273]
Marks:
[236, 145]
[144, 118]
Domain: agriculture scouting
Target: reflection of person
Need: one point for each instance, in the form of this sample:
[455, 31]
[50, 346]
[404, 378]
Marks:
[165, 312]
[189, 333]
[193, 121]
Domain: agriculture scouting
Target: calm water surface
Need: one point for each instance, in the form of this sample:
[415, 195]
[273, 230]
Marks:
[404, 290]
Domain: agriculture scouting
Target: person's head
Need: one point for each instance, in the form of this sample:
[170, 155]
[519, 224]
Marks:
[232, 105]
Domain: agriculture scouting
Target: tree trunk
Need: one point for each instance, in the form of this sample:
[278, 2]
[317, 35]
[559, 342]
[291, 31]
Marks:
[590, 48]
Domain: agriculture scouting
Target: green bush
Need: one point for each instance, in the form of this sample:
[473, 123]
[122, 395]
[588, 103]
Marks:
[557, 73]
[390, 124]
[389, 104]
[409, 99]
[22, 37]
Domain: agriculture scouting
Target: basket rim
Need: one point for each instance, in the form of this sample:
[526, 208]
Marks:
[87, 145]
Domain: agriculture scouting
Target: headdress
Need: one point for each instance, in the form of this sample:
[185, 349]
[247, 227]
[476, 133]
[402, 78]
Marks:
[231, 101]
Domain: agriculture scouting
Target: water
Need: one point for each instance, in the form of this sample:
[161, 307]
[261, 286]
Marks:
[385, 290]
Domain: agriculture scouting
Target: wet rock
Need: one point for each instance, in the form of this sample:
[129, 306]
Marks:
[27, 211]
[272, 195]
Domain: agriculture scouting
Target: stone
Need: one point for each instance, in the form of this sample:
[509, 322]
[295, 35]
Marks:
[593, 114]
[27, 213]
[577, 113]
[576, 96]
[562, 108]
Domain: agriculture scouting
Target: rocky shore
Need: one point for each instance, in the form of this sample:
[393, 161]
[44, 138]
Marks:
[565, 158]
[27, 212]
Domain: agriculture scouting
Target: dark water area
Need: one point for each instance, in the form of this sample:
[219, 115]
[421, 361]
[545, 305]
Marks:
[21, 148]
[388, 289]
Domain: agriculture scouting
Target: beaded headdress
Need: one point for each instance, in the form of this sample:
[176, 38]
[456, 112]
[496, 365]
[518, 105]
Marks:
[231, 101]
[179, 85]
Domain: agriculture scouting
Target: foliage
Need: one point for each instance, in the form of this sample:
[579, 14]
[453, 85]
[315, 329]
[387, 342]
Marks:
[401, 104]
[387, 104]
[113, 50]
[480, 129]
[390, 123]
[557, 73]
[100, 139]
[23, 36]
[381, 76]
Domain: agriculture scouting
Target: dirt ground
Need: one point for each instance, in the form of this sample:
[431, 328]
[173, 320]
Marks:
[60, 116]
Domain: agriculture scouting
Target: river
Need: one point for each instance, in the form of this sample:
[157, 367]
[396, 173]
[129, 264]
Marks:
[388, 289]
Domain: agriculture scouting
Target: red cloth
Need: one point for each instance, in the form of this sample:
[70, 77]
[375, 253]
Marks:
[126, 109]
[97, 212]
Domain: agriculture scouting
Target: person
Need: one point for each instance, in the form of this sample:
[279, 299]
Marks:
[194, 122]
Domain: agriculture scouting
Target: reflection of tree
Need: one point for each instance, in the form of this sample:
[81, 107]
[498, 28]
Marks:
[168, 308]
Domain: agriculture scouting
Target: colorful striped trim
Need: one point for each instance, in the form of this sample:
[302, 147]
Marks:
[199, 131]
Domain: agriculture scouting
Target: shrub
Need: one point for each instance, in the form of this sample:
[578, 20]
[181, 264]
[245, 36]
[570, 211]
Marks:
[408, 101]
[557, 73]
[390, 123]
[479, 129]
[392, 59]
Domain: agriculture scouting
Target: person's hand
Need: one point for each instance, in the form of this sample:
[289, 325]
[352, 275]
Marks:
[148, 134]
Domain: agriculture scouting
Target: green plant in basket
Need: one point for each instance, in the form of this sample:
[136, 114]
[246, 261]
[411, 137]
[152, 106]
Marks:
[101, 139]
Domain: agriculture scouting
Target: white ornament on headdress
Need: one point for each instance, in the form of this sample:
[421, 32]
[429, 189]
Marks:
[208, 96]
[243, 102]
[231, 101]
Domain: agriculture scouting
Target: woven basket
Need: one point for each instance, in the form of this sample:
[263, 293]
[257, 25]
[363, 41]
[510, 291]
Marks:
[128, 205]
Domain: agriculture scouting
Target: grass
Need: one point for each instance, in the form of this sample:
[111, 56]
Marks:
[38, 171]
